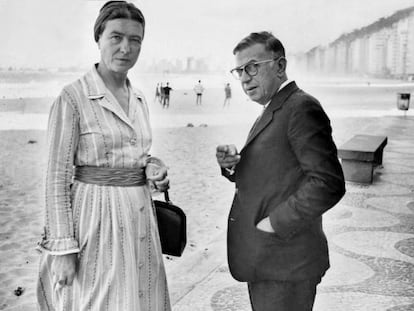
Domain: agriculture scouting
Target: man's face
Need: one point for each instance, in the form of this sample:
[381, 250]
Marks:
[261, 87]
[120, 44]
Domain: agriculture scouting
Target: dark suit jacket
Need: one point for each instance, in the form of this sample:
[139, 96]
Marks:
[289, 171]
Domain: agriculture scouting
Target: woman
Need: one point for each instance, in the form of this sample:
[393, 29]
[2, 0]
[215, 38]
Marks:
[101, 243]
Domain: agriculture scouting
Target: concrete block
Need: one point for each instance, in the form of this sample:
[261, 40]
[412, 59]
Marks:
[358, 171]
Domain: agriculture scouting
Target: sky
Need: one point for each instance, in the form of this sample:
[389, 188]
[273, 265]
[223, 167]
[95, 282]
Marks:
[59, 33]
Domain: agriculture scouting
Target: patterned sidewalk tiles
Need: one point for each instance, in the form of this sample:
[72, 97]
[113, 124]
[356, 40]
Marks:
[372, 264]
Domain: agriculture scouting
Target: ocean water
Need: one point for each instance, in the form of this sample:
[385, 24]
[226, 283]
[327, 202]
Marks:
[25, 99]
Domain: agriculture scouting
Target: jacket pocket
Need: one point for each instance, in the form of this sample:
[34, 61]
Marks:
[269, 236]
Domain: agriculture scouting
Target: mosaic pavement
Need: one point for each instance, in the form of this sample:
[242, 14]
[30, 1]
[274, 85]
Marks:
[371, 239]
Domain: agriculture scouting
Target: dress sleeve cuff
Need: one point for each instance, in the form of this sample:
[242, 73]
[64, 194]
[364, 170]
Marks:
[59, 246]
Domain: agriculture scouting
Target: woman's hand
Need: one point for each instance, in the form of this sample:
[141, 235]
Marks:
[160, 179]
[63, 270]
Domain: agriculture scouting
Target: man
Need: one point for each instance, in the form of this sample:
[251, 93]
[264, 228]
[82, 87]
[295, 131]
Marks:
[162, 94]
[198, 89]
[287, 175]
[227, 95]
[157, 93]
[166, 97]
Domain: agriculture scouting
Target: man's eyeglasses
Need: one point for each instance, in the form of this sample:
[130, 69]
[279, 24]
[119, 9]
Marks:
[251, 68]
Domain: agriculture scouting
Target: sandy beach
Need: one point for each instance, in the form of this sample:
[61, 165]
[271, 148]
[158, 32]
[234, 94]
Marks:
[196, 184]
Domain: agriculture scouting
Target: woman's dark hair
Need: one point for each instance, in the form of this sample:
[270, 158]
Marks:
[271, 43]
[114, 10]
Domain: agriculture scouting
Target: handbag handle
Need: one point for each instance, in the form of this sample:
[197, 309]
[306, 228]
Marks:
[167, 196]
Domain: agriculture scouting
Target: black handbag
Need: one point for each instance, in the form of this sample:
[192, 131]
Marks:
[172, 226]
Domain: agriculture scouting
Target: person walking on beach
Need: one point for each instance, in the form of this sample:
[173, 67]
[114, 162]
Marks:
[166, 101]
[286, 176]
[157, 93]
[227, 95]
[162, 94]
[198, 89]
[101, 247]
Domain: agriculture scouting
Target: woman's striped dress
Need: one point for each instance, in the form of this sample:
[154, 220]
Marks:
[113, 229]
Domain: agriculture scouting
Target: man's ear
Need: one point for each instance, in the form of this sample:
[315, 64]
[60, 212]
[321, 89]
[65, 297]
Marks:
[281, 66]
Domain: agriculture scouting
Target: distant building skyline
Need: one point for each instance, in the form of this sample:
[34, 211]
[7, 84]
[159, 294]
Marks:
[188, 65]
[384, 48]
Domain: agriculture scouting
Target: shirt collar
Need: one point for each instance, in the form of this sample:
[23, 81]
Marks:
[280, 88]
[284, 84]
[97, 88]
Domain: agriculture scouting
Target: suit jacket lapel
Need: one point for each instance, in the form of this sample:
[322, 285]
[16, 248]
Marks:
[97, 90]
[267, 116]
[261, 122]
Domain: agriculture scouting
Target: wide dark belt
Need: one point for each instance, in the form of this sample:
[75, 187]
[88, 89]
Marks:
[108, 176]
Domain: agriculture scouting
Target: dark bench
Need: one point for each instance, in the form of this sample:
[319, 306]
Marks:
[360, 155]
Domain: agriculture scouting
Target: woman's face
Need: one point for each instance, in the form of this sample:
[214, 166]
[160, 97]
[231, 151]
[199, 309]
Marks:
[120, 44]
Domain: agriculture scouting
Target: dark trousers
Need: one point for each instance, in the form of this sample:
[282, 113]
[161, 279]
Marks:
[198, 99]
[166, 101]
[283, 295]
